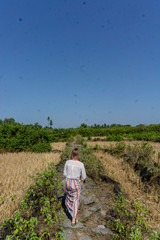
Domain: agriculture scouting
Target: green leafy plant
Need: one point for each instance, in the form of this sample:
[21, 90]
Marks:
[131, 224]
[79, 139]
[92, 164]
[117, 150]
[13, 197]
[141, 154]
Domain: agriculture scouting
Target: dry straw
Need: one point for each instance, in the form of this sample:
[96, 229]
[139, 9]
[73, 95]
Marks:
[130, 183]
[14, 180]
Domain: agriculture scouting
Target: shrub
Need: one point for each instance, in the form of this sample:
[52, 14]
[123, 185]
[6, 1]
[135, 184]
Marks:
[117, 150]
[141, 154]
[41, 147]
[131, 224]
[79, 139]
[92, 164]
[116, 138]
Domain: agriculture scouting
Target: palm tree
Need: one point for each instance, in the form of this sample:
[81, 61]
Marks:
[51, 123]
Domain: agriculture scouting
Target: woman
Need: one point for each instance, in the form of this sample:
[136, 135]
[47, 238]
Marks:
[75, 173]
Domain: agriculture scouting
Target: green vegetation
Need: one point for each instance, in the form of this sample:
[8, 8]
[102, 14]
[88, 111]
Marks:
[140, 158]
[23, 138]
[93, 166]
[117, 132]
[128, 221]
[15, 137]
[140, 154]
[40, 214]
[131, 224]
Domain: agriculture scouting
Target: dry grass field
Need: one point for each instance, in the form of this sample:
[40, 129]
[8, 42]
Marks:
[14, 179]
[58, 146]
[103, 144]
[130, 183]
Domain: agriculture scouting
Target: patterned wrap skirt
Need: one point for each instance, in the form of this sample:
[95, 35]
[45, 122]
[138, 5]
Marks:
[73, 190]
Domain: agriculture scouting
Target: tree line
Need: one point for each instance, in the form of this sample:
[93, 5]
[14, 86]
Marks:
[35, 138]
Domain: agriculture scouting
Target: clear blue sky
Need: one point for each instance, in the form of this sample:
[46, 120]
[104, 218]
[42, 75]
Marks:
[89, 61]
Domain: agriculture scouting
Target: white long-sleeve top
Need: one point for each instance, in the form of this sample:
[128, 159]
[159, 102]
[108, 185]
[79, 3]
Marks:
[74, 169]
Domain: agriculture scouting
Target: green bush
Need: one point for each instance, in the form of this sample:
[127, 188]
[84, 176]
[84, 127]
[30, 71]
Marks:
[18, 137]
[118, 150]
[141, 154]
[92, 164]
[79, 139]
[41, 147]
[131, 224]
[24, 138]
[114, 138]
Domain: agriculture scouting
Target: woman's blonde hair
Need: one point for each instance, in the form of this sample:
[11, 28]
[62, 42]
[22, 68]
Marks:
[75, 154]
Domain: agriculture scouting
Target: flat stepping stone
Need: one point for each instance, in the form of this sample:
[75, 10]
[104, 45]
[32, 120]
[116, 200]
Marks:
[103, 213]
[101, 226]
[86, 201]
[67, 224]
[87, 213]
[85, 237]
[102, 230]
[68, 234]
[95, 208]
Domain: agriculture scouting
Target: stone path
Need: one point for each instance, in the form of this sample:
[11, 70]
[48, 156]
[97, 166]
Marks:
[94, 210]
[96, 207]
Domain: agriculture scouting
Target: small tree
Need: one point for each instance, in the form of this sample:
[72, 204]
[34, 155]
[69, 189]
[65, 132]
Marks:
[83, 125]
[9, 121]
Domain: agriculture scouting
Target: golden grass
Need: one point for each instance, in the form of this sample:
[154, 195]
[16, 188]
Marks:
[14, 179]
[130, 184]
[58, 145]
